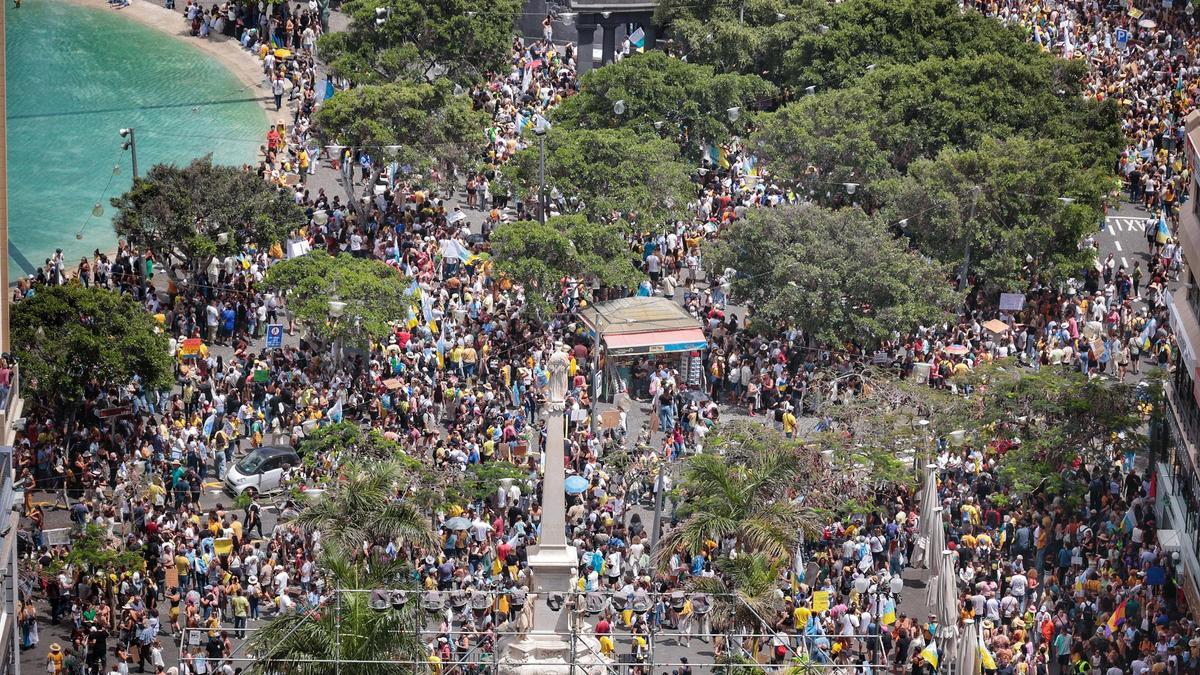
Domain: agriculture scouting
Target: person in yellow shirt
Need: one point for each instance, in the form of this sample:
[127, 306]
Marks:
[970, 512]
[302, 160]
[54, 660]
[686, 614]
[607, 648]
[789, 422]
[800, 617]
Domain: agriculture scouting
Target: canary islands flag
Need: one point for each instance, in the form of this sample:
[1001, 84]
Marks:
[1114, 622]
[638, 40]
[985, 658]
[930, 654]
[1162, 233]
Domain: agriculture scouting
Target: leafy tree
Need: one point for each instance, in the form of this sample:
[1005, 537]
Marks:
[95, 551]
[426, 120]
[350, 442]
[957, 103]
[749, 36]
[69, 339]
[745, 592]
[539, 256]
[375, 294]
[861, 33]
[607, 171]
[480, 481]
[345, 627]
[823, 140]
[838, 275]
[1056, 417]
[1035, 203]
[417, 41]
[686, 102]
[896, 115]
[749, 492]
[186, 215]
[362, 507]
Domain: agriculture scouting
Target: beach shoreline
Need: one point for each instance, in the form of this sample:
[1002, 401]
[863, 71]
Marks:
[227, 51]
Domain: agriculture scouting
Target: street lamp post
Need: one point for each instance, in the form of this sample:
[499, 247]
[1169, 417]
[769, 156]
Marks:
[540, 126]
[131, 145]
[336, 308]
[966, 263]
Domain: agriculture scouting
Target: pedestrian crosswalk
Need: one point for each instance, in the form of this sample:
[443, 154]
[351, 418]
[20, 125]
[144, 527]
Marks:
[1119, 224]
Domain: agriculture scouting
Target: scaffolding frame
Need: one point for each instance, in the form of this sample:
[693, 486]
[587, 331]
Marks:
[801, 647]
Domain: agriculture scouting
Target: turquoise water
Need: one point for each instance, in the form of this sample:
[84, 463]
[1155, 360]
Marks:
[76, 75]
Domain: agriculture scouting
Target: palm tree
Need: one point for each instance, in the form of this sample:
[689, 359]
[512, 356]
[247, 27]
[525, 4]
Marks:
[746, 494]
[745, 593]
[345, 629]
[362, 507]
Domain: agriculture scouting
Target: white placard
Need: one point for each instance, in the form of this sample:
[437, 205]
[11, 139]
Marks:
[1012, 302]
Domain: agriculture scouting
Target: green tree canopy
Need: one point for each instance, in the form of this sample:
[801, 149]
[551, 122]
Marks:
[1021, 226]
[186, 215]
[375, 294]
[426, 120]
[750, 36]
[896, 115]
[764, 489]
[861, 33]
[839, 275]
[822, 140]
[1056, 417]
[346, 627]
[69, 337]
[609, 171]
[362, 507]
[419, 41]
[686, 101]
[539, 256]
[957, 103]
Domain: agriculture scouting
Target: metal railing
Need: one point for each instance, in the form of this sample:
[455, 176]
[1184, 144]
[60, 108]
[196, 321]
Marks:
[11, 407]
[747, 648]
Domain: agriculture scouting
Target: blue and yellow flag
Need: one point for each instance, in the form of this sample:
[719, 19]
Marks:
[985, 658]
[930, 654]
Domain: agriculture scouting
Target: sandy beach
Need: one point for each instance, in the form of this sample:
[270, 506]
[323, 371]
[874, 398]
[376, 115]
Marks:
[243, 65]
[224, 49]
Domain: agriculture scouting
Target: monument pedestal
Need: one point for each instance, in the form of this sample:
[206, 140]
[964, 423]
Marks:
[550, 646]
[546, 649]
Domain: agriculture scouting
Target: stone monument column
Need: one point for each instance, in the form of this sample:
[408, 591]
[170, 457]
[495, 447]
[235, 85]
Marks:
[546, 647]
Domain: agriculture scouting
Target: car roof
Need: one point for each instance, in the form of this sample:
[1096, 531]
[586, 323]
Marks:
[274, 450]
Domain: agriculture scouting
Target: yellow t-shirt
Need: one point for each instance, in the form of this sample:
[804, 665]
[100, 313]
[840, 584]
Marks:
[800, 616]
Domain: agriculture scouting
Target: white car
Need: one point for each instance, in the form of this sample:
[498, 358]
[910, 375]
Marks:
[261, 471]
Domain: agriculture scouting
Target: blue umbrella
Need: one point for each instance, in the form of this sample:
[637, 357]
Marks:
[575, 485]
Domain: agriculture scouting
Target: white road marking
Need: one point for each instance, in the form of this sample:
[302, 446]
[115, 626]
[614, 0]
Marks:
[1117, 243]
[1124, 262]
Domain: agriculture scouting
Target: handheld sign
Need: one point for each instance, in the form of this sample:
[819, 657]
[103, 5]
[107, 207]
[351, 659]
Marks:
[274, 335]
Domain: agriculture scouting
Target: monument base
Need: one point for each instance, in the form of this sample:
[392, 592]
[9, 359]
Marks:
[547, 649]
[551, 654]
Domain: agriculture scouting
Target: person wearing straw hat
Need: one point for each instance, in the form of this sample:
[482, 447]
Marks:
[54, 660]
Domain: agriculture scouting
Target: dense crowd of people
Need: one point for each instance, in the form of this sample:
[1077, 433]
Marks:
[461, 383]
